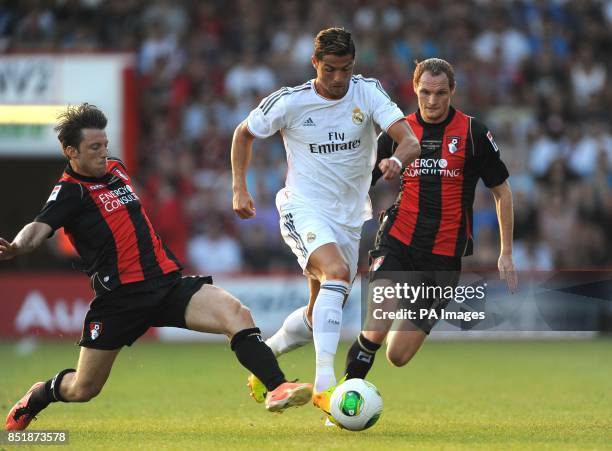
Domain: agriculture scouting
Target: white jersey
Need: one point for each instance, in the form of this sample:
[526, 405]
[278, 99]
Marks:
[330, 144]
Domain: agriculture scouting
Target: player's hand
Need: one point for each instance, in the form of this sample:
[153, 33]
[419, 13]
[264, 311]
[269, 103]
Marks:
[243, 204]
[507, 272]
[7, 250]
[389, 168]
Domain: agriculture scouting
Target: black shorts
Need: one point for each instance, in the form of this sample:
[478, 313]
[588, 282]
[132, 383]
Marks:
[393, 260]
[120, 317]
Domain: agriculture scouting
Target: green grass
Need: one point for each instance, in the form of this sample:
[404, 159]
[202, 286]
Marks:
[453, 395]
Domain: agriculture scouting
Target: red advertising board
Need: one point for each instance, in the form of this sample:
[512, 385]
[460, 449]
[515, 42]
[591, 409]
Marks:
[43, 305]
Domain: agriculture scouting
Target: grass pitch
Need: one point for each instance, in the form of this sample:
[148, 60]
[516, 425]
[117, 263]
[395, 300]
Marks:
[453, 395]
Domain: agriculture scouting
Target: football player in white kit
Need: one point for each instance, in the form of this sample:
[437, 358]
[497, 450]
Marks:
[327, 125]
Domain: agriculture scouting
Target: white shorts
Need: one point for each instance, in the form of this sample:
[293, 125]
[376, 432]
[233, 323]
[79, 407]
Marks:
[304, 231]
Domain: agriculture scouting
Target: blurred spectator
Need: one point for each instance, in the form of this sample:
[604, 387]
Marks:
[261, 252]
[525, 214]
[500, 38]
[558, 225]
[158, 45]
[213, 251]
[171, 15]
[588, 76]
[585, 155]
[547, 147]
[195, 118]
[484, 211]
[249, 76]
[532, 254]
[170, 220]
[35, 28]
[487, 243]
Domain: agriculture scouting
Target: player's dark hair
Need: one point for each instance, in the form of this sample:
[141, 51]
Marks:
[77, 117]
[333, 41]
[435, 66]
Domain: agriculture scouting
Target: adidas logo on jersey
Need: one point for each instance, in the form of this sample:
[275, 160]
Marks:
[309, 123]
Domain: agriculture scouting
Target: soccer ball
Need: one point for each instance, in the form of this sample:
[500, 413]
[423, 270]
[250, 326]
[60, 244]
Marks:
[356, 405]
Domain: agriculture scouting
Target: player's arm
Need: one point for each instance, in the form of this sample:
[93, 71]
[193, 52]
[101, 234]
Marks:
[391, 119]
[263, 121]
[62, 206]
[385, 147]
[408, 149]
[494, 174]
[242, 149]
[505, 216]
[28, 239]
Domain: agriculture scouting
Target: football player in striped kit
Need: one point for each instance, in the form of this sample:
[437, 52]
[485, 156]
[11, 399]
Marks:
[427, 231]
[137, 282]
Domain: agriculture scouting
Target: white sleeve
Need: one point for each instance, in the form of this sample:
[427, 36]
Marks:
[384, 111]
[270, 116]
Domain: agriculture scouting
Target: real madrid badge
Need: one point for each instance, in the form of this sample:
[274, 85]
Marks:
[357, 116]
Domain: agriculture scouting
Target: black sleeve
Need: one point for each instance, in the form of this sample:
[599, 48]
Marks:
[491, 168]
[62, 206]
[118, 160]
[384, 149]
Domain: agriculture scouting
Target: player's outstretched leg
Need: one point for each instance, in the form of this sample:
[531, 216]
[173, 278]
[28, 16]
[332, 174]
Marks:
[212, 309]
[295, 332]
[25, 410]
[68, 385]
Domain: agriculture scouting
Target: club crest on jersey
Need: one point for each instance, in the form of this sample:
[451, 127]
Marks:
[310, 237]
[377, 263]
[357, 116]
[120, 174]
[453, 143]
[95, 329]
[493, 143]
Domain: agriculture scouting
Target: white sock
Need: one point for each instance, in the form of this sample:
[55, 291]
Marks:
[326, 325]
[294, 333]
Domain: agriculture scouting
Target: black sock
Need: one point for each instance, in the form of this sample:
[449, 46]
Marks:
[49, 392]
[41, 398]
[257, 357]
[360, 358]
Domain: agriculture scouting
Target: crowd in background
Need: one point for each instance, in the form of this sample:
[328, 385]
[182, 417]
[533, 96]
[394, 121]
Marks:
[536, 72]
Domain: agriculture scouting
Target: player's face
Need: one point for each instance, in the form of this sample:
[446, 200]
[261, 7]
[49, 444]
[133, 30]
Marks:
[90, 159]
[434, 96]
[333, 75]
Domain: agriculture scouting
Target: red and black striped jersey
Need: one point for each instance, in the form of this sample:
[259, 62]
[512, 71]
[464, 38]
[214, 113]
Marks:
[107, 225]
[433, 212]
